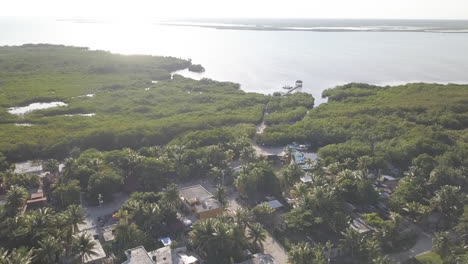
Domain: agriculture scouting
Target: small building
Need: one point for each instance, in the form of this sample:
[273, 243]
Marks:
[164, 255]
[360, 226]
[260, 259]
[139, 255]
[387, 185]
[165, 241]
[28, 167]
[306, 178]
[36, 200]
[273, 158]
[200, 202]
[389, 182]
[108, 233]
[101, 254]
[298, 158]
[299, 83]
[275, 204]
[181, 256]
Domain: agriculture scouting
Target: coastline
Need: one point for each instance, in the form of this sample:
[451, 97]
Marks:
[319, 29]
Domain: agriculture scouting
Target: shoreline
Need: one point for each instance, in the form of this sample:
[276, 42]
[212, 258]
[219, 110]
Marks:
[316, 29]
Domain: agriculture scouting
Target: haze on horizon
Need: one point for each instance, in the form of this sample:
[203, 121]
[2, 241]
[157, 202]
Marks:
[356, 9]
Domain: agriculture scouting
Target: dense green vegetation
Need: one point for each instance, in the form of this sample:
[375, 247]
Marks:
[147, 135]
[196, 68]
[394, 125]
[417, 132]
[429, 258]
[131, 111]
[290, 110]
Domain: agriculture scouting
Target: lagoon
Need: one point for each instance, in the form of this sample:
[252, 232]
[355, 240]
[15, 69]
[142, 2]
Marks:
[34, 106]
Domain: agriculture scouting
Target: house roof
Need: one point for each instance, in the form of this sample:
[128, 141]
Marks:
[163, 255]
[260, 259]
[180, 256]
[38, 200]
[306, 178]
[166, 241]
[358, 225]
[37, 195]
[28, 167]
[100, 253]
[275, 204]
[138, 255]
[207, 205]
[388, 178]
[194, 193]
[108, 233]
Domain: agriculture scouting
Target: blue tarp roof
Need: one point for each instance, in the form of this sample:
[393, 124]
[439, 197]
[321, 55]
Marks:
[166, 241]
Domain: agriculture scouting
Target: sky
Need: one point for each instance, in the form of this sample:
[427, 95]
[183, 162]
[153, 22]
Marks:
[385, 9]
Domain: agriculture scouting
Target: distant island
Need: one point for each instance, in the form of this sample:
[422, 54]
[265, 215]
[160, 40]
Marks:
[328, 25]
[196, 68]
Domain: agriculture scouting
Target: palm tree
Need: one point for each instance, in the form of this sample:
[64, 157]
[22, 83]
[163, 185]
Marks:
[220, 194]
[243, 217]
[128, 235]
[350, 240]
[51, 166]
[437, 177]
[449, 201]
[441, 244]
[85, 246]
[171, 195]
[151, 218]
[247, 154]
[291, 175]
[68, 168]
[3, 256]
[130, 161]
[216, 174]
[301, 253]
[263, 212]
[49, 249]
[40, 222]
[20, 256]
[310, 162]
[257, 233]
[75, 215]
[300, 191]
[217, 241]
[72, 217]
[16, 198]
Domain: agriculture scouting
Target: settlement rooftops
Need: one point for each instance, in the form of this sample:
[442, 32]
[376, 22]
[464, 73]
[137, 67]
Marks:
[100, 253]
[275, 204]
[164, 255]
[307, 178]
[195, 193]
[138, 255]
[259, 259]
[28, 167]
[200, 201]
